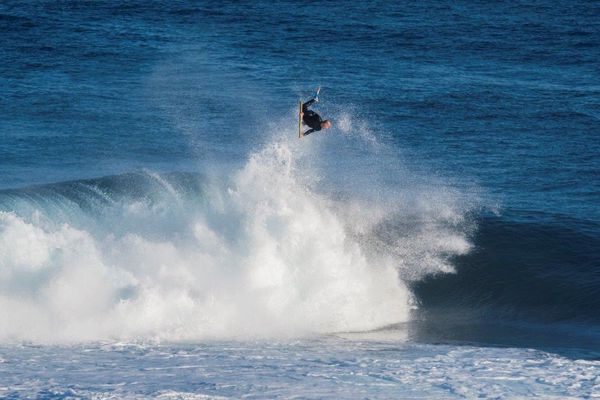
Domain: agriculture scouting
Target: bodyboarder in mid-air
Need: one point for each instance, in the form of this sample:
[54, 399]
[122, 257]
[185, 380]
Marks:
[311, 118]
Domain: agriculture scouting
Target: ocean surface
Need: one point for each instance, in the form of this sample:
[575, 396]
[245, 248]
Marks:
[165, 234]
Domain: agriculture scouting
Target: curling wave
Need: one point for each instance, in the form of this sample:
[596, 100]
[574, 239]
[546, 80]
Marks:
[545, 271]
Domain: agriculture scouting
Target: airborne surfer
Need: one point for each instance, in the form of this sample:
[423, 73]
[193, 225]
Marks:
[311, 118]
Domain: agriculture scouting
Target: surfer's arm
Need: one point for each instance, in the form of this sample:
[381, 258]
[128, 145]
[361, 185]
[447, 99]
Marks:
[308, 132]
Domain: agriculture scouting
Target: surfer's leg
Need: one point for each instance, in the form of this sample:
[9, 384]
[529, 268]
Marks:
[307, 104]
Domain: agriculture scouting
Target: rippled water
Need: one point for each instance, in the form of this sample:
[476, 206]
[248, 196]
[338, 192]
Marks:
[153, 193]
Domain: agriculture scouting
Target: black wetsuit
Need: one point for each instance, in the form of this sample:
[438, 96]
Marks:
[311, 118]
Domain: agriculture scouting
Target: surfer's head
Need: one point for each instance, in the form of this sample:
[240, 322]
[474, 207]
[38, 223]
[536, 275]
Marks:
[326, 124]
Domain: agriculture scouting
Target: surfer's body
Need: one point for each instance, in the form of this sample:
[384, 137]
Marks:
[312, 119]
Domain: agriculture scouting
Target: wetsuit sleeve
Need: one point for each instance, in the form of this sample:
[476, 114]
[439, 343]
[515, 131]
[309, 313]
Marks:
[307, 104]
[308, 132]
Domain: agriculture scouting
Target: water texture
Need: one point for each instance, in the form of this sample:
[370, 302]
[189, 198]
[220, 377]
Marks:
[158, 213]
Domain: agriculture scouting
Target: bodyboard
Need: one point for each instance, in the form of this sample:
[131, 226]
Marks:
[300, 134]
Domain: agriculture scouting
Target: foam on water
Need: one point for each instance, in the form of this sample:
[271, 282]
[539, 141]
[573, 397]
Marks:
[259, 253]
[318, 368]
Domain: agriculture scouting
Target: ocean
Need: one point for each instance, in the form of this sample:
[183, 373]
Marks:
[165, 234]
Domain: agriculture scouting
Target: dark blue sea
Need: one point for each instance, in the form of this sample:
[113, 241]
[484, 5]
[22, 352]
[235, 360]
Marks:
[164, 233]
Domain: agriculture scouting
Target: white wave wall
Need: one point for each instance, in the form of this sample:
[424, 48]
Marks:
[260, 254]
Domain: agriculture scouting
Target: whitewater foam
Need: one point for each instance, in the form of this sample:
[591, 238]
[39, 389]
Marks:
[259, 254]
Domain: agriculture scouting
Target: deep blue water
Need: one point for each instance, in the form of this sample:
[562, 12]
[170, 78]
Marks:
[159, 136]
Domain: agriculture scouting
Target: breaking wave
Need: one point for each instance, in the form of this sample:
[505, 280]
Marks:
[182, 256]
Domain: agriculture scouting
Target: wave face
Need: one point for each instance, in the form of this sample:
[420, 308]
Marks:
[180, 256]
[538, 270]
